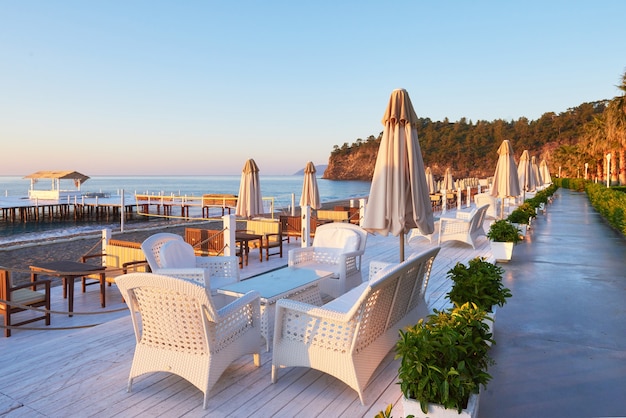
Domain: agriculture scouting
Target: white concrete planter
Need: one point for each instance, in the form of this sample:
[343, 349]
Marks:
[502, 251]
[412, 407]
[491, 324]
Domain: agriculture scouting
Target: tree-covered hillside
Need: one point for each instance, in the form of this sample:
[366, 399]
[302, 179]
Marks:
[469, 148]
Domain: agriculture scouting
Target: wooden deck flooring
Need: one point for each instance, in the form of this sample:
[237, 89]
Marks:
[84, 372]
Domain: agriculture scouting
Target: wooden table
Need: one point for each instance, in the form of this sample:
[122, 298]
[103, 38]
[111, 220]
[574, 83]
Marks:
[286, 283]
[244, 238]
[68, 271]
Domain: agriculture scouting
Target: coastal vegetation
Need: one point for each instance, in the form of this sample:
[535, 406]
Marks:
[567, 140]
[610, 202]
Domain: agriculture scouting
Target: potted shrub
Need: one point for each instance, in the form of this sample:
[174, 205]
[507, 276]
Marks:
[444, 361]
[522, 216]
[479, 282]
[503, 235]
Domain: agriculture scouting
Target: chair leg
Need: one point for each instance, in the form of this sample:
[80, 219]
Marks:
[7, 323]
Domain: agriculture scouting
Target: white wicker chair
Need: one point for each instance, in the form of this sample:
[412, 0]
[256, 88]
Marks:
[178, 330]
[337, 247]
[463, 228]
[482, 199]
[349, 336]
[170, 255]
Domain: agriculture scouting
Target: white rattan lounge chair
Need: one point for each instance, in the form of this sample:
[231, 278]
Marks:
[170, 255]
[465, 227]
[337, 247]
[349, 336]
[179, 330]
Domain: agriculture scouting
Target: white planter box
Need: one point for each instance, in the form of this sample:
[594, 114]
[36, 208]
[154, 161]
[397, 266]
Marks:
[502, 251]
[491, 324]
[412, 407]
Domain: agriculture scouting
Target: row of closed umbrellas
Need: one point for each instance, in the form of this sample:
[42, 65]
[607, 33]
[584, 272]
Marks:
[513, 180]
[399, 198]
[250, 200]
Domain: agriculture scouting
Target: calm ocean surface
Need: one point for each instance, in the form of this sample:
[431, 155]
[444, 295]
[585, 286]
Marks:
[280, 188]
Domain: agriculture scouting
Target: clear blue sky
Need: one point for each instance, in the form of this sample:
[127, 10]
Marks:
[198, 87]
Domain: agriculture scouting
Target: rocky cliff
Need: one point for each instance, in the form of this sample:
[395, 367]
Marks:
[353, 166]
[355, 163]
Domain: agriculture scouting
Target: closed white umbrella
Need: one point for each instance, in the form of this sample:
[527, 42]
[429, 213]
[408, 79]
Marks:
[310, 192]
[448, 181]
[534, 167]
[545, 172]
[430, 181]
[249, 201]
[399, 199]
[524, 174]
[505, 181]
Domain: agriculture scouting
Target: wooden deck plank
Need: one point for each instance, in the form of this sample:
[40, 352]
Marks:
[85, 371]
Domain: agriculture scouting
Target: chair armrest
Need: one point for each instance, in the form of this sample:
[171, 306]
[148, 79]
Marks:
[86, 257]
[135, 264]
[376, 267]
[300, 255]
[252, 297]
[193, 273]
[238, 316]
[310, 311]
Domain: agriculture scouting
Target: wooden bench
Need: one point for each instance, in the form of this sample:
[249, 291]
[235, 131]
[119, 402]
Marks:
[350, 336]
[354, 214]
[466, 227]
[333, 215]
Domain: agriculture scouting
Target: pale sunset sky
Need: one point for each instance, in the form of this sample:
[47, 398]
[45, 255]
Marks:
[198, 87]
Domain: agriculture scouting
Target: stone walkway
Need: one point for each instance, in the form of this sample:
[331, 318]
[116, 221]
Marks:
[561, 338]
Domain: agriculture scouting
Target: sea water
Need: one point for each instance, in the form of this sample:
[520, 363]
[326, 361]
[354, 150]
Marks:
[284, 190]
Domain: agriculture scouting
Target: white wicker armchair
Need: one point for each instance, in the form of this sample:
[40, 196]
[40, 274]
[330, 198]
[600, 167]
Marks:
[170, 255]
[349, 336]
[464, 228]
[337, 247]
[178, 330]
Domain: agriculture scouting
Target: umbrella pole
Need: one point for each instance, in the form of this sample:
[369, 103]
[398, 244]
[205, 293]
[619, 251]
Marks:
[401, 246]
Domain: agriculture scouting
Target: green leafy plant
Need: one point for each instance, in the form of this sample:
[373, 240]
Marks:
[503, 231]
[522, 214]
[479, 282]
[444, 359]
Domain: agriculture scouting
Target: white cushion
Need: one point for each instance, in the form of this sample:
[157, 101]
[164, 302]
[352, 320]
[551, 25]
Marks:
[177, 254]
[340, 238]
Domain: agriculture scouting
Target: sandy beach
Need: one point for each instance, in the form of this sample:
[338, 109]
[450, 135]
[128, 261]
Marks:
[18, 259]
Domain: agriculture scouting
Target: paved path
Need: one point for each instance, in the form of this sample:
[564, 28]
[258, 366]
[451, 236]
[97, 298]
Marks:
[561, 338]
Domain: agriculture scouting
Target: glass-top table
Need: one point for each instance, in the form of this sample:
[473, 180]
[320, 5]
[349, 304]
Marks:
[286, 283]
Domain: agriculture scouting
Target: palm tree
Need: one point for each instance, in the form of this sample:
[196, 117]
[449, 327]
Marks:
[616, 128]
[593, 144]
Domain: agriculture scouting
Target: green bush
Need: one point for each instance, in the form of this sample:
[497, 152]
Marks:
[445, 358]
[479, 282]
[503, 231]
[522, 214]
[609, 203]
